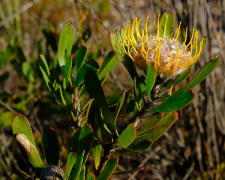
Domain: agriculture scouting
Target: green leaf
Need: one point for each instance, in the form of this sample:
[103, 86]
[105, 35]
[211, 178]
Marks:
[81, 55]
[94, 89]
[166, 24]
[109, 62]
[150, 79]
[57, 87]
[84, 145]
[184, 75]
[68, 70]
[140, 146]
[20, 175]
[62, 47]
[205, 71]
[119, 106]
[127, 171]
[179, 99]
[20, 124]
[108, 169]
[5, 55]
[117, 43]
[4, 76]
[139, 89]
[112, 100]
[158, 130]
[82, 174]
[5, 118]
[100, 121]
[96, 151]
[77, 167]
[149, 123]
[90, 176]
[89, 65]
[70, 162]
[74, 138]
[127, 136]
[51, 146]
[29, 153]
[27, 72]
[128, 95]
[46, 74]
[69, 42]
[107, 59]
[90, 114]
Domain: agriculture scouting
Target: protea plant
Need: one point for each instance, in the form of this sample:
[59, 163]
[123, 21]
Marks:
[166, 63]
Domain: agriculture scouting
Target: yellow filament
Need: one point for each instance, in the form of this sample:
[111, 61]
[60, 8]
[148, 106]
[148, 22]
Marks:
[190, 42]
[158, 25]
[178, 31]
[165, 27]
[185, 36]
[154, 28]
[171, 89]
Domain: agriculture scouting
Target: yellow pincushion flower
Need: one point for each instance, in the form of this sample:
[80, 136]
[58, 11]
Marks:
[168, 56]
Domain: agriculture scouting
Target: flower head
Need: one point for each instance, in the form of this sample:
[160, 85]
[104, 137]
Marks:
[168, 56]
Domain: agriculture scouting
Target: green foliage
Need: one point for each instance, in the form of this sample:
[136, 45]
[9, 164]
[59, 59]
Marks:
[76, 85]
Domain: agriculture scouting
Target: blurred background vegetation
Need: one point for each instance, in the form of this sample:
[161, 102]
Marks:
[194, 148]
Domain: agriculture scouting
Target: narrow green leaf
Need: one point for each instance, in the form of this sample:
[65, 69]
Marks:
[128, 95]
[203, 73]
[56, 87]
[68, 70]
[62, 47]
[70, 162]
[51, 146]
[96, 151]
[113, 99]
[107, 59]
[166, 24]
[27, 71]
[149, 123]
[108, 169]
[140, 146]
[46, 74]
[179, 99]
[84, 145]
[81, 55]
[139, 88]
[108, 64]
[89, 65]
[94, 89]
[20, 124]
[20, 175]
[77, 167]
[69, 42]
[82, 174]
[182, 77]
[128, 171]
[127, 136]
[158, 130]
[90, 114]
[150, 79]
[90, 176]
[119, 106]
[74, 138]
[5, 55]
[100, 121]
